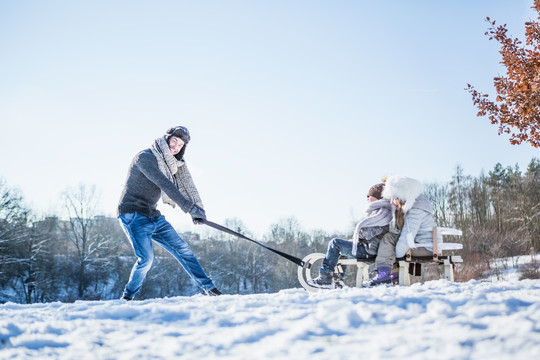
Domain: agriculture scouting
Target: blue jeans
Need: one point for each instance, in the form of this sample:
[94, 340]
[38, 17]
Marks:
[141, 230]
[338, 247]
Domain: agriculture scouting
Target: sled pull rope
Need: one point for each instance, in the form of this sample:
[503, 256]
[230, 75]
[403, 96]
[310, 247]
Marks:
[294, 259]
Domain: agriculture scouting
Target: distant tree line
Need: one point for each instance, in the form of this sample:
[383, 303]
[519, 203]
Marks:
[88, 256]
[499, 214]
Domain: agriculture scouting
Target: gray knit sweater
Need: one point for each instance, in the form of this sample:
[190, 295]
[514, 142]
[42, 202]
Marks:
[144, 185]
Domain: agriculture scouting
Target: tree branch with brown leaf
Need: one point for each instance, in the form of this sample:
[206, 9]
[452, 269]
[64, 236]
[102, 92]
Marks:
[516, 108]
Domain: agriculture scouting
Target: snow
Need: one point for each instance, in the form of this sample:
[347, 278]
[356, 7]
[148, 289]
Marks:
[511, 268]
[433, 320]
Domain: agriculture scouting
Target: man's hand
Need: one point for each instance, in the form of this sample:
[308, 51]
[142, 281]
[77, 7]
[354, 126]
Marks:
[197, 215]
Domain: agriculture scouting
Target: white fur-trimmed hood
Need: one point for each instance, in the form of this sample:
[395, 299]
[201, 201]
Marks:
[403, 188]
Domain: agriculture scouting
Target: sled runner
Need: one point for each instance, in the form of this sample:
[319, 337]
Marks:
[408, 265]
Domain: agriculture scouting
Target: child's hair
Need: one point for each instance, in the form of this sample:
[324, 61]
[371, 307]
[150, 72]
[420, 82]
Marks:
[400, 217]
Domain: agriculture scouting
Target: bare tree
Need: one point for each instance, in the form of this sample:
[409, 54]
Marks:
[236, 265]
[481, 211]
[81, 206]
[438, 195]
[47, 248]
[530, 205]
[23, 251]
[13, 235]
[13, 215]
[288, 236]
[459, 198]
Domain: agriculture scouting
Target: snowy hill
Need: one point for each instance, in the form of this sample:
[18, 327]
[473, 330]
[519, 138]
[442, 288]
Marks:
[437, 319]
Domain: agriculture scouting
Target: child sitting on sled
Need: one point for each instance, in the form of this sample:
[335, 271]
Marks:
[365, 241]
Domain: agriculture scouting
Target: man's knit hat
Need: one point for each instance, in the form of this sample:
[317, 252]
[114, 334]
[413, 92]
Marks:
[376, 191]
[179, 131]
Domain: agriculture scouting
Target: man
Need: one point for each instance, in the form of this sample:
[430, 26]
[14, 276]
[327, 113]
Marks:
[161, 171]
[365, 242]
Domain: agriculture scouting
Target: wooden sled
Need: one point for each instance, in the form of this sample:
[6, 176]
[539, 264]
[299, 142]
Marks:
[408, 265]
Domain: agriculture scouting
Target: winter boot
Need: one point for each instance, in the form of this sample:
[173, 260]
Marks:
[339, 281]
[394, 278]
[323, 281]
[213, 292]
[383, 275]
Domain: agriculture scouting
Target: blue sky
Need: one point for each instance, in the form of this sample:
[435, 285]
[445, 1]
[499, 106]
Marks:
[295, 107]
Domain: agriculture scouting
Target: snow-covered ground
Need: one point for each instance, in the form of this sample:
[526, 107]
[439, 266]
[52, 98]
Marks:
[434, 320]
[511, 268]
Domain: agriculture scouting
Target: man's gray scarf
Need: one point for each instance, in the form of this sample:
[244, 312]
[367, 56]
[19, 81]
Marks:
[378, 214]
[176, 171]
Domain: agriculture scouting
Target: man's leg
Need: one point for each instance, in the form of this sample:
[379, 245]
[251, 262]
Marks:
[167, 237]
[138, 229]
